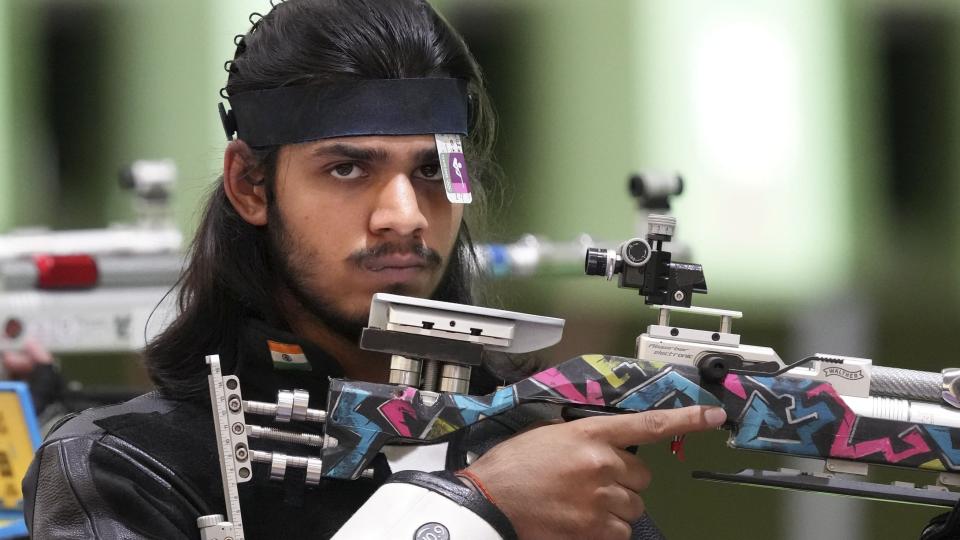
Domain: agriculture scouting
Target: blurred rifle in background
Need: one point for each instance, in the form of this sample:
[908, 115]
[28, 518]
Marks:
[106, 290]
[94, 290]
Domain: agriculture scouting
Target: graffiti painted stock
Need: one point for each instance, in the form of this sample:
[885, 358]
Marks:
[780, 414]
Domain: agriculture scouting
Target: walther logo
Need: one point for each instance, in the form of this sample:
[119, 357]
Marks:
[840, 372]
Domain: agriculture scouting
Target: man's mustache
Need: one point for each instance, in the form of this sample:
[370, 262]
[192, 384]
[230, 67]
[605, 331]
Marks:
[431, 259]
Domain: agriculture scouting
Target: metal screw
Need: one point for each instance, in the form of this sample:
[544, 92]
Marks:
[232, 384]
[678, 296]
[726, 323]
[241, 452]
[234, 404]
[238, 428]
[244, 472]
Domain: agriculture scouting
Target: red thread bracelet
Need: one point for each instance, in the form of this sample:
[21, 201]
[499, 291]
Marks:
[464, 473]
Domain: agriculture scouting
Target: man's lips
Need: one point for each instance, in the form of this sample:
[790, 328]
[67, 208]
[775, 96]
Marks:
[394, 262]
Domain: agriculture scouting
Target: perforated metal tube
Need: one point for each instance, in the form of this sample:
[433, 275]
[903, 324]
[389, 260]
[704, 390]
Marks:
[906, 384]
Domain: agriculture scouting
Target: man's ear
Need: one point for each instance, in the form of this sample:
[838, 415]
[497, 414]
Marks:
[243, 183]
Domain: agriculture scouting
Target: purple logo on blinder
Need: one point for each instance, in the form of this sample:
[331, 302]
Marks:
[459, 178]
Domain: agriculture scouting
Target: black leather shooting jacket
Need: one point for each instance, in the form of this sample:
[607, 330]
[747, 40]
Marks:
[148, 468]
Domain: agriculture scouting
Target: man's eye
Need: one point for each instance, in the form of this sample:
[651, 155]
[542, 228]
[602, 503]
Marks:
[346, 171]
[430, 172]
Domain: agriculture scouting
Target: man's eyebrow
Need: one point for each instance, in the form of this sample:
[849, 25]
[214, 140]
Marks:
[361, 153]
[350, 151]
[428, 154]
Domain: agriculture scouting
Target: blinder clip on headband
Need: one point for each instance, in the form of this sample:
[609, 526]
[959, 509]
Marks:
[228, 121]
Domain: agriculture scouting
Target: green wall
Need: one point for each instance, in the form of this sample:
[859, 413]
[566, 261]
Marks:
[6, 113]
[769, 109]
[745, 97]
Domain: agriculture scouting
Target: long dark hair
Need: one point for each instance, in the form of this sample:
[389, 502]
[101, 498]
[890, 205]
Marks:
[229, 274]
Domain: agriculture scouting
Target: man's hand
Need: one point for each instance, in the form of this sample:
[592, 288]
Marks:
[575, 480]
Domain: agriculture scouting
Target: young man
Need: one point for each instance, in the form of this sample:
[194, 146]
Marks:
[332, 191]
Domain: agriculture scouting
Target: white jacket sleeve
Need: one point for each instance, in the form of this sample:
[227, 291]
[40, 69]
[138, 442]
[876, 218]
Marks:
[427, 506]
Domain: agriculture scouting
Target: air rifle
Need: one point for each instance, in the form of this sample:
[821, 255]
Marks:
[842, 410]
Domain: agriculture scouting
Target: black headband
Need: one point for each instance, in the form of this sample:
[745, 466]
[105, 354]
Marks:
[294, 114]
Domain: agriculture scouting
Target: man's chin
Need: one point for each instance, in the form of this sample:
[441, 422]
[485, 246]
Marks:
[357, 306]
[360, 307]
[405, 289]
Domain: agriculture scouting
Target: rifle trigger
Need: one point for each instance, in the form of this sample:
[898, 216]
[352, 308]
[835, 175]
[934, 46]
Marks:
[676, 447]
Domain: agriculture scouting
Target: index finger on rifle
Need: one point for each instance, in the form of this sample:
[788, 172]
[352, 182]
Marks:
[624, 430]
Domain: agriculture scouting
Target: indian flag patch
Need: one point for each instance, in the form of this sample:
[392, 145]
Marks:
[287, 356]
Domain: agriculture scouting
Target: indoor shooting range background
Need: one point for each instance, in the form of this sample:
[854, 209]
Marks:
[817, 138]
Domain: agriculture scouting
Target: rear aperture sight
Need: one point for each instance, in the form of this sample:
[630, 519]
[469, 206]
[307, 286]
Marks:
[644, 265]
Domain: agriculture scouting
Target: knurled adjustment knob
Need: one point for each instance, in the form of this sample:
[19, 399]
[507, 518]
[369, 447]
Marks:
[635, 252]
[660, 225]
[301, 400]
[596, 262]
[209, 521]
[285, 402]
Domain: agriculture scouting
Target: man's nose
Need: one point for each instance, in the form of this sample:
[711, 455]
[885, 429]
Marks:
[398, 210]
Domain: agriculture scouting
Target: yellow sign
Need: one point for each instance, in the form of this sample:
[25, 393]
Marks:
[16, 449]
